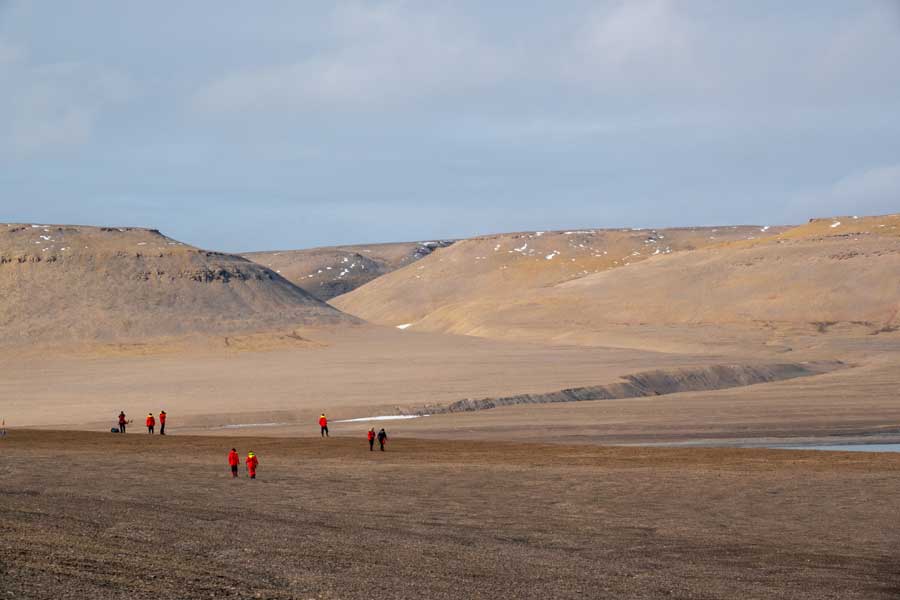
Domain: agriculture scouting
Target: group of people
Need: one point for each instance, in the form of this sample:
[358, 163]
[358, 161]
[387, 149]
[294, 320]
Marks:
[234, 461]
[381, 436]
[151, 423]
[252, 462]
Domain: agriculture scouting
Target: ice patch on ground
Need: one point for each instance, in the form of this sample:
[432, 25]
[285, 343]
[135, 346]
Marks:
[835, 224]
[404, 326]
[243, 425]
[381, 418]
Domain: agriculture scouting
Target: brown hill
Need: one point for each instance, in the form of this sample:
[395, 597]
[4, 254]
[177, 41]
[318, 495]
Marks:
[823, 276]
[71, 283]
[438, 292]
[332, 271]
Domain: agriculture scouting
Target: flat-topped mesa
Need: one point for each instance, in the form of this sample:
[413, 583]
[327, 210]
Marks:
[62, 283]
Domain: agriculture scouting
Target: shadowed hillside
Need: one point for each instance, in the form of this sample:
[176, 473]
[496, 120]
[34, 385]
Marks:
[73, 283]
[332, 271]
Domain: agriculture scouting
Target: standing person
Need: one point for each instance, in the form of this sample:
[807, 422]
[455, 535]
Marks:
[122, 421]
[162, 422]
[323, 423]
[233, 461]
[151, 423]
[371, 436]
[382, 438]
[252, 463]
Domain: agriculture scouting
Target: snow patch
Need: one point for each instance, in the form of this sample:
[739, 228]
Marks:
[242, 425]
[404, 326]
[835, 224]
[381, 418]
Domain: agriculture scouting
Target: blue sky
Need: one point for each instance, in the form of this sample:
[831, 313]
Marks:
[285, 124]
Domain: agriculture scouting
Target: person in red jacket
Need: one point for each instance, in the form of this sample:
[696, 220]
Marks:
[162, 422]
[123, 421]
[252, 463]
[234, 461]
[323, 423]
[151, 423]
[371, 436]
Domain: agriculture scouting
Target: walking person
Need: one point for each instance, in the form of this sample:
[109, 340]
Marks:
[382, 438]
[151, 423]
[162, 422]
[323, 424]
[252, 463]
[371, 436]
[122, 421]
[234, 461]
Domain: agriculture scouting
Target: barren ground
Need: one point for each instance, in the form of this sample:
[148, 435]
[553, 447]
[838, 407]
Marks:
[88, 515]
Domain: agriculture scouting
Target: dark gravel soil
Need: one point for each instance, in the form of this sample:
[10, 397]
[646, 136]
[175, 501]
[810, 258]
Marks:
[97, 516]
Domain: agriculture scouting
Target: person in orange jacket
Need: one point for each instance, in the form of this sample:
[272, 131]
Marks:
[323, 423]
[234, 461]
[252, 463]
[151, 423]
[371, 436]
[162, 422]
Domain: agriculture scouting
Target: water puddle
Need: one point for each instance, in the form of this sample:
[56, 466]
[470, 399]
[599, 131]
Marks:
[845, 447]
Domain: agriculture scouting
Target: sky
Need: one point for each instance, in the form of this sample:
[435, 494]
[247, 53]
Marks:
[272, 125]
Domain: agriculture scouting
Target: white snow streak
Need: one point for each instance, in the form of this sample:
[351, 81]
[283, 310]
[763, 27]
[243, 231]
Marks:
[381, 418]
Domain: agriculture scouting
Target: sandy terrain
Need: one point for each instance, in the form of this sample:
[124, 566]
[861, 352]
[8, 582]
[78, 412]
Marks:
[100, 516]
[349, 373]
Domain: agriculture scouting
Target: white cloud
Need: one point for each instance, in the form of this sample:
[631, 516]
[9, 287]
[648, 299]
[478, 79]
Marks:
[46, 107]
[876, 185]
[9, 53]
[387, 53]
[634, 40]
[872, 191]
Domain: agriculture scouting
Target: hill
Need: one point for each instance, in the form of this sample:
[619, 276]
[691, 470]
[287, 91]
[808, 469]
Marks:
[335, 270]
[823, 276]
[496, 270]
[63, 283]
